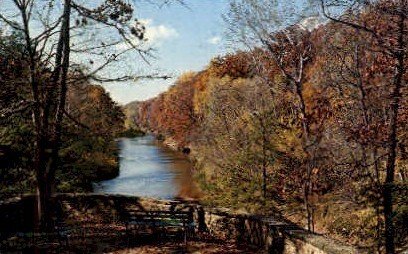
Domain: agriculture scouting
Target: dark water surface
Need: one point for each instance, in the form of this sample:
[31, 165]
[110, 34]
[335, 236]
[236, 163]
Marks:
[148, 169]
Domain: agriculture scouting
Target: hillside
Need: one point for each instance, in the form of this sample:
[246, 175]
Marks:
[131, 111]
[295, 127]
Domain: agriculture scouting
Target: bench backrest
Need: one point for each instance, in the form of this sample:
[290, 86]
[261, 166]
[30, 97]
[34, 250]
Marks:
[184, 217]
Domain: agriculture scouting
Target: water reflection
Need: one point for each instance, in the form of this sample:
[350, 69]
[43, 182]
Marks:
[148, 169]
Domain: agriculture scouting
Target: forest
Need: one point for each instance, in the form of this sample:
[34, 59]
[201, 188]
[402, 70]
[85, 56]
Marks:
[310, 122]
[57, 123]
[305, 119]
[88, 154]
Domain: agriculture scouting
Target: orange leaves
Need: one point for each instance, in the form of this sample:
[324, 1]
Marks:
[171, 113]
[92, 106]
[374, 133]
[237, 65]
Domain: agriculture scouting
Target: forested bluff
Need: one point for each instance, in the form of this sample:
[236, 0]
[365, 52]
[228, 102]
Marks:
[298, 127]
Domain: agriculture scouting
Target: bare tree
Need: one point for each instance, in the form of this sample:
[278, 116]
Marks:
[64, 45]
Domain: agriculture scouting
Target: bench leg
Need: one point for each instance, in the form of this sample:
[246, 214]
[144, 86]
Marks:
[127, 235]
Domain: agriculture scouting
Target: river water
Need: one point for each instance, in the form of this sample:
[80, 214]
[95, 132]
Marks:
[148, 169]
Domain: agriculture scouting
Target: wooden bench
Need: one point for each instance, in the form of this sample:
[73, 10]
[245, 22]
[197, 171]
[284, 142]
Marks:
[161, 221]
[81, 231]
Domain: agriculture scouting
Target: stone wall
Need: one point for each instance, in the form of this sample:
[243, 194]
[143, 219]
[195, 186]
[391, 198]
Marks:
[272, 235]
[276, 236]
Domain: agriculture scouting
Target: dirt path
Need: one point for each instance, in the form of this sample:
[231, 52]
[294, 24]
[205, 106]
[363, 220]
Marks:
[191, 247]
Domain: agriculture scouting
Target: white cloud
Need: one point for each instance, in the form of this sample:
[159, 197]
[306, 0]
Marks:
[156, 34]
[311, 23]
[214, 40]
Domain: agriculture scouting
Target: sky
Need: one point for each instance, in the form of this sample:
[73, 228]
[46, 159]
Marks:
[185, 39]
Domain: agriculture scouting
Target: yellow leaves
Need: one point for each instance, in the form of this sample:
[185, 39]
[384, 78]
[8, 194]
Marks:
[279, 79]
[288, 142]
[95, 92]
[186, 77]
[309, 92]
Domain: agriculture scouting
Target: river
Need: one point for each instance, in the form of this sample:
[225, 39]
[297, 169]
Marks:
[148, 169]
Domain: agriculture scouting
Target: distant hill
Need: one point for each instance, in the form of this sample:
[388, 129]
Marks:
[131, 111]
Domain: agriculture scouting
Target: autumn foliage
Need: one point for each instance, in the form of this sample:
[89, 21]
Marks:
[301, 125]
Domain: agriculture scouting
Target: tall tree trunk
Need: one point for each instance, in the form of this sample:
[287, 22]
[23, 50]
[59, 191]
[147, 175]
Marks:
[264, 159]
[393, 140]
[40, 132]
[62, 82]
[307, 185]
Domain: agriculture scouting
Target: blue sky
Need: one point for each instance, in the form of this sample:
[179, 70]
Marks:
[185, 39]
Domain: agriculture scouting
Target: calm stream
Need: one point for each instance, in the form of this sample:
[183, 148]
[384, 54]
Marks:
[148, 169]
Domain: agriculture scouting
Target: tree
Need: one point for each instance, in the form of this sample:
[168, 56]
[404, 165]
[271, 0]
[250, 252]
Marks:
[178, 114]
[51, 36]
[289, 47]
[385, 25]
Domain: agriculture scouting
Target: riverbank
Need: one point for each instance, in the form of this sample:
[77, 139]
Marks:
[132, 133]
[334, 216]
[87, 150]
